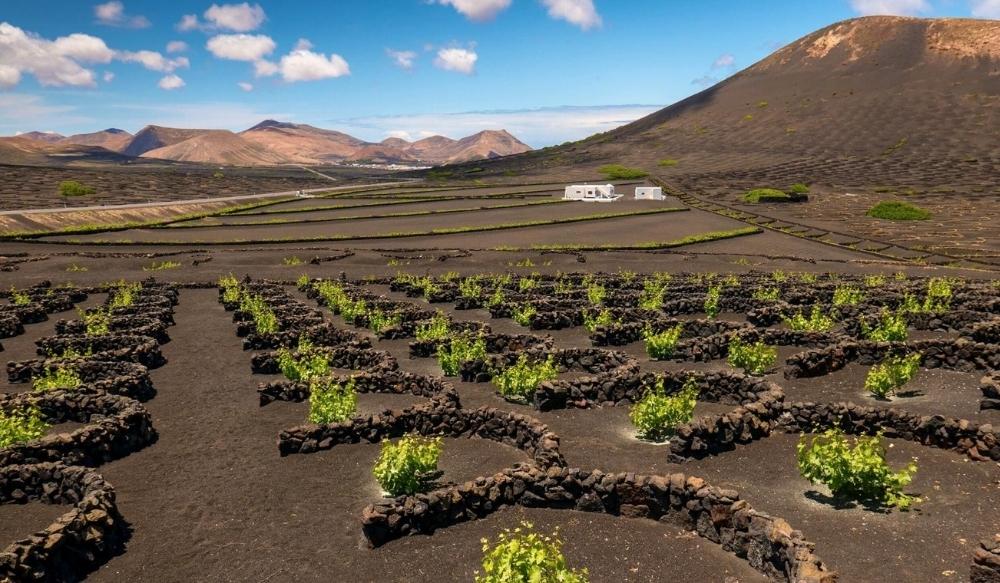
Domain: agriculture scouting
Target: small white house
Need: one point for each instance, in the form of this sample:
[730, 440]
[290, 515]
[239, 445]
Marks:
[591, 193]
[649, 193]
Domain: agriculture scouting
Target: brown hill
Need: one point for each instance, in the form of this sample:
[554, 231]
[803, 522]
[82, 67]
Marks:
[874, 99]
[153, 137]
[217, 147]
[29, 152]
[302, 144]
[112, 139]
[47, 137]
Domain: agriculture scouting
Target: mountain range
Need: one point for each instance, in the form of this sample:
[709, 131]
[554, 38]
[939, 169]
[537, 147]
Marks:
[269, 143]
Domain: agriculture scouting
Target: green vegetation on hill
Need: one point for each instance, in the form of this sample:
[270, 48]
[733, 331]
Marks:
[668, 162]
[766, 195]
[895, 210]
[619, 172]
[74, 188]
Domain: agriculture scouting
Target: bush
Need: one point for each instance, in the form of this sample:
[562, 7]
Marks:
[265, 321]
[592, 322]
[19, 298]
[307, 365]
[660, 345]
[711, 304]
[74, 188]
[753, 358]
[97, 322]
[886, 378]
[21, 426]
[816, 322]
[379, 320]
[651, 297]
[596, 294]
[860, 472]
[891, 327]
[846, 295]
[292, 261]
[123, 294]
[766, 195]
[162, 265]
[518, 382]
[657, 414]
[895, 210]
[937, 298]
[668, 163]
[330, 401]
[766, 294]
[798, 188]
[523, 315]
[452, 354]
[409, 465]
[57, 378]
[524, 556]
[619, 172]
[470, 288]
[437, 328]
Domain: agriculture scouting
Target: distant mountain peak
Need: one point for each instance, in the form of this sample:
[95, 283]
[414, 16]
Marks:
[272, 123]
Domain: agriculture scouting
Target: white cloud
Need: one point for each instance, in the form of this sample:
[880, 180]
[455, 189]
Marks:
[538, 127]
[986, 8]
[579, 12]
[457, 60]
[113, 14]
[188, 23]
[9, 76]
[240, 47]
[109, 76]
[477, 10]
[265, 68]
[53, 63]
[402, 59]
[235, 17]
[153, 60]
[401, 134]
[724, 61]
[304, 65]
[22, 112]
[890, 7]
[230, 115]
[303, 44]
[245, 86]
[177, 46]
[171, 82]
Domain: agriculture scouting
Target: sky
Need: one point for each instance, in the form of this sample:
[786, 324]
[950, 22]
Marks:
[548, 71]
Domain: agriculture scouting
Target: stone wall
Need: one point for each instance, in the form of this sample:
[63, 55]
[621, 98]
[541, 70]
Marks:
[986, 562]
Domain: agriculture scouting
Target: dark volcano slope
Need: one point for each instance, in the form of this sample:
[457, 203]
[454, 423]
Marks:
[866, 101]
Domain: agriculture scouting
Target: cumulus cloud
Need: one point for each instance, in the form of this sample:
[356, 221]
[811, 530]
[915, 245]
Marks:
[890, 7]
[402, 59]
[457, 60]
[176, 46]
[236, 17]
[171, 82]
[582, 13]
[724, 61]
[113, 14]
[188, 23]
[53, 63]
[265, 68]
[240, 47]
[248, 87]
[303, 44]
[305, 65]
[477, 10]
[986, 9]
[153, 60]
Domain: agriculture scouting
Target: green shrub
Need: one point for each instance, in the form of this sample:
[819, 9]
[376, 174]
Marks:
[619, 172]
[753, 358]
[592, 322]
[292, 261]
[331, 401]
[123, 294]
[379, 321]
[162, 265]
[97, 322]
[816, 322]
[265, 321]
[21, 426]
[886, 378]
[461, 349]
[57, 378]
[230, 288]
[711, 304]
[304, 364]
[860, 472]
[524, 556]
[668, 163]
[596, 293]
[526, 284]
[74, 268]
[496, 298]
[937, 298]
[519, 381]
[875, 280]
[524, 314]
[437, 328]
[766, 195]
[847, 295]
[660, 345]
[470, 288]
[766, 294]
[19, 298]
[651, 297]
[657, 414]
[74, 188]
[407, 466]
[895, 210]
[799, 188]
[891, 327]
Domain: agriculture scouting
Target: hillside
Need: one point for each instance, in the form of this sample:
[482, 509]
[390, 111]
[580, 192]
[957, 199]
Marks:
[153, 137]
[217, 147]
[112, 139]
[869, 99]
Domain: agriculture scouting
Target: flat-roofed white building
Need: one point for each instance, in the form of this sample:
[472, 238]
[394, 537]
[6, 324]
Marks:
[591, 193]
[649, 193]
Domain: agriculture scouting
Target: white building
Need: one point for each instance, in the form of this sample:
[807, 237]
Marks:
[649, 193]
[591, 193]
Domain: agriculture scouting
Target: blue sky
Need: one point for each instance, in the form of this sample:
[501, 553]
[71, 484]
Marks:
[547, 70]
